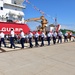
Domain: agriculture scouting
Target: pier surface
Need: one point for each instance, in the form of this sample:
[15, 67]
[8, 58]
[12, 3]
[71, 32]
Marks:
[56, 59]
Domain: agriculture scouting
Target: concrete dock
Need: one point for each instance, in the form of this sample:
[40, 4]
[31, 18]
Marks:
[56, 59]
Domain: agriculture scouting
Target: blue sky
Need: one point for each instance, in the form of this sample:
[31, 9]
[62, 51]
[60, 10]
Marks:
[64, 10]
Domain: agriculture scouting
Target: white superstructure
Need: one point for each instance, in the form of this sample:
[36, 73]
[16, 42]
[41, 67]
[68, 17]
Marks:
[11, 11]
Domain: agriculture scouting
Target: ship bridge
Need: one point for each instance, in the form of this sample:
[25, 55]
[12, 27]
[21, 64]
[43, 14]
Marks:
[17, 2]
[11, 10]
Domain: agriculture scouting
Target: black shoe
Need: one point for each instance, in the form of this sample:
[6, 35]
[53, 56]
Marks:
[48, 45]
[31, 46]
[22, 47]
[10, 47]
[41, 45]
[4, 46]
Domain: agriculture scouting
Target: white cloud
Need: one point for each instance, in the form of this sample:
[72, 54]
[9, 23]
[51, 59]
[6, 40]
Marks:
[64, 27]
[71, 27]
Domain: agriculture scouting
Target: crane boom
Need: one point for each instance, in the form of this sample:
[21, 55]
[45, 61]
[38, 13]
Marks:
[32, 19]
[43, 21]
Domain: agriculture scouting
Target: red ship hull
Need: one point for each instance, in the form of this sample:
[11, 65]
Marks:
[6, 27]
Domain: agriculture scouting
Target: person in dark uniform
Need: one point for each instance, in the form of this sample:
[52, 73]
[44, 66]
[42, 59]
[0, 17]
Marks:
[30, 39]
[36, 36]
[12, 34]
[49, 35]
[42, 38]
[54, 37]
[60, 37]
[66, 37]
[2, 38]
[22, 38]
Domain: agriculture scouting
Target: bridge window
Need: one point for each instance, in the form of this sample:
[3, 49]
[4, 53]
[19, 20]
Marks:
[1, 8]
[15, 2]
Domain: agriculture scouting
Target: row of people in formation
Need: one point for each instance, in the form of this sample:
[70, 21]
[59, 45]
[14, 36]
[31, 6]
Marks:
[22, 37]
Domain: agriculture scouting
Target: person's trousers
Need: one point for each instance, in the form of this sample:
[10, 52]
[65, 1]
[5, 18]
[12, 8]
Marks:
[2, 41]
[54, 40]
[36, 42]
[30, 42]
[22, 42]
[12, 42]
[42, 41]
[48, 39]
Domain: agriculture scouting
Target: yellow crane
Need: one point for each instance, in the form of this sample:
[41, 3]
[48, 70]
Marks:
[43, 22]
